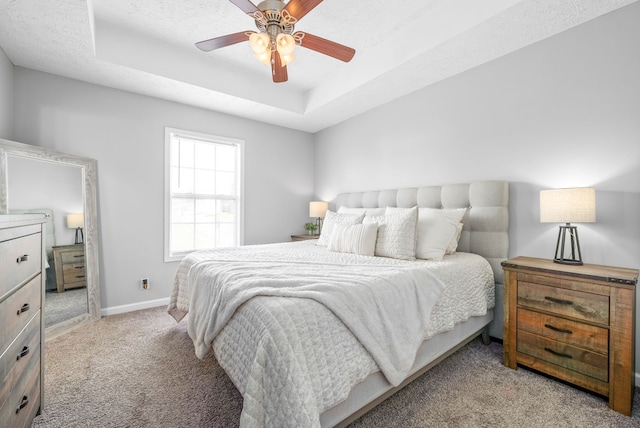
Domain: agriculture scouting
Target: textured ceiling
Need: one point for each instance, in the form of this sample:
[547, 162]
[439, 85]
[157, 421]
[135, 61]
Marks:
[147, 47]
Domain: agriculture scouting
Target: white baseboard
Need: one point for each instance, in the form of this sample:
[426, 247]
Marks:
[134, 307]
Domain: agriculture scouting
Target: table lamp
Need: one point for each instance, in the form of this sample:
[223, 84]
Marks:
[76, 221]
[318, 209]
[574, 205]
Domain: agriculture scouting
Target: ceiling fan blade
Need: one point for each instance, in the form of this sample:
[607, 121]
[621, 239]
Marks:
[278, 70]
[324, 46]
[245, 5]
[299, 8]
[222, 41]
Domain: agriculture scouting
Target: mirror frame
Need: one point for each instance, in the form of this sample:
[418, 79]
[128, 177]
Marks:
[90, 201]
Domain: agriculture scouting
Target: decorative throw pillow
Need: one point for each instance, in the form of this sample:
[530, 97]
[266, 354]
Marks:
[365, 211]
[356, 239]
[333, 218]
[453, 244]
[436, 229]
[396, 234]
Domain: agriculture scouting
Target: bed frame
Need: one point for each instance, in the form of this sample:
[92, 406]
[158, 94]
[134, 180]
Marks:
[485, 232]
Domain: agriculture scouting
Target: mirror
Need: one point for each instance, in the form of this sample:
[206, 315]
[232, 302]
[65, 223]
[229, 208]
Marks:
[77, 301]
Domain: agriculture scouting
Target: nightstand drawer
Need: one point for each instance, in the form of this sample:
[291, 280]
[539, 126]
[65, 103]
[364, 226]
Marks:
[560, 301]
[566, 356]
[73, 272]
[571, 332]
[73, 257]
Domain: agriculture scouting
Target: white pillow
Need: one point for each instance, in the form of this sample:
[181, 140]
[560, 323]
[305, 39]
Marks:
[365, 211]
[453, 244]
[331, 219]
[436, 229]
[356, 239]
[396, 234]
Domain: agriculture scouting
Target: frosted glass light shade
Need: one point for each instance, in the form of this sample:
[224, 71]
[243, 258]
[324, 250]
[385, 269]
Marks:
[286, 59]
[259, 42]
[318, 209]
[264, 57]
[285, 43]
[75, 221]
[574, 205]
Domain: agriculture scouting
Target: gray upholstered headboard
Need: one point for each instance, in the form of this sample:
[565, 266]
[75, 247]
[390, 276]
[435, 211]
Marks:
[486, 223]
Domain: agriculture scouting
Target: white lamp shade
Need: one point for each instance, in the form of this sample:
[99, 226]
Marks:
[318, 209]
[75, 220]
[575, 205]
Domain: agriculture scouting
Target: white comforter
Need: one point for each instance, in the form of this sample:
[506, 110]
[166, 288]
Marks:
[294, 357]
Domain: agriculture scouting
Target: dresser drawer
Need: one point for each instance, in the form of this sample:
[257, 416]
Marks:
[571, 303]
[571, 332]
[21, 259]
[566, 356]
[18, 309]
[18, 355]
[23, 401]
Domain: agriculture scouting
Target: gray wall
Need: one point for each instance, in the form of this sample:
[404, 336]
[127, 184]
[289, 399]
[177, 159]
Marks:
[563, 112]
[6, 97]
[125, 133]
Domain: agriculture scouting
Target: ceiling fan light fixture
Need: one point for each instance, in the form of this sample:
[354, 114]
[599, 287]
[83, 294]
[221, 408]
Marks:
[276, 38]
[259, 42]
[286, 58]
[264, 57]
[285, 43]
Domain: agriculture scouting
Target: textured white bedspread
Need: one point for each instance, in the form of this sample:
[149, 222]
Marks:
[292, 358]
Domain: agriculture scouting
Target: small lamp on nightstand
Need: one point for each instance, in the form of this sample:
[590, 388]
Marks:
[318, 209]
[575, 205]
[76, 221]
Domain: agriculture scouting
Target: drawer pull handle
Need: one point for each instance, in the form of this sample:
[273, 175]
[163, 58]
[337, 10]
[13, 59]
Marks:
[79, 276]
[23, 353]
[22, 258]
[78, 256]
[79, 267]
[24, 308]
[558, 301]
[23, 404]
[559, 354]
[559, 330]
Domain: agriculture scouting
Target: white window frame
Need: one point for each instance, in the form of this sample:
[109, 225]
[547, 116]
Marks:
[168, 255]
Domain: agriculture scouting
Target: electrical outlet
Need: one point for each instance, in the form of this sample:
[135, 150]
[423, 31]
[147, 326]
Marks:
[145, 283]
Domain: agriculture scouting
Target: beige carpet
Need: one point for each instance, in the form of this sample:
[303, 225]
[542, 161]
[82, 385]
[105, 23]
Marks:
[139, 370]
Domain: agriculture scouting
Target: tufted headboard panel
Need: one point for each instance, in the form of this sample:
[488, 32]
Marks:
[486, 222]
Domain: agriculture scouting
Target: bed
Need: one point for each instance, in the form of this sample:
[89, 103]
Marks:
[314, 336]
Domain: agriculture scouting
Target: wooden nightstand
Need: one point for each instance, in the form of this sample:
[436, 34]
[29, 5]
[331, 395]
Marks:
[304, 237]
[576, 323]
[70, 266]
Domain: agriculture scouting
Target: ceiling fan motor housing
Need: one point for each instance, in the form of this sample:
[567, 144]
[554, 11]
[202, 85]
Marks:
[273, 19]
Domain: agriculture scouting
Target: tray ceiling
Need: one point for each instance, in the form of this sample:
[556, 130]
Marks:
[147, 47]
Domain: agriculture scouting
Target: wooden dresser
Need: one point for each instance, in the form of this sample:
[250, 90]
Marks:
[70, 266]
[576, 323]
[21, 320]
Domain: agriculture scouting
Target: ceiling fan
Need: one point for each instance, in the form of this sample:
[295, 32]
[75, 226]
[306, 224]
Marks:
[275, 40]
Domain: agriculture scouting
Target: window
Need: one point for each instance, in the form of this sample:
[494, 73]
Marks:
[203, 192]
